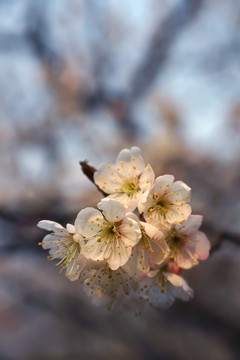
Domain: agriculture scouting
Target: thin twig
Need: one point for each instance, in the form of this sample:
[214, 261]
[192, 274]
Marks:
[89, 172]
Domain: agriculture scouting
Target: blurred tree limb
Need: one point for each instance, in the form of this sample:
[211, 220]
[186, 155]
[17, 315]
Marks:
[119, 103]
[162, 40]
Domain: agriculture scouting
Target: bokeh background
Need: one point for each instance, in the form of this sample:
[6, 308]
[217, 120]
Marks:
[82, 80]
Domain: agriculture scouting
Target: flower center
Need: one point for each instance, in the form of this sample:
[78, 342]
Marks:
[159, 205]
[175, 241]
[130, 187]
[110, 232]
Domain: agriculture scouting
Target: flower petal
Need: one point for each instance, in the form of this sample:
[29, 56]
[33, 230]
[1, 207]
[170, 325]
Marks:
[71, 228]
[108, 179]
[119, 255]
[129, 163]
[88, 222]
[51, 226]
[192, 224]
[112, 209]
[174, 279]
[162, 184]
[178, 213]
[180, 289]
[179, 192]
[121, 197]
[97, 250]
[202, 245]
[130, 231]
[151, 292]
[185, 258]
[132, 156]
[152, 231]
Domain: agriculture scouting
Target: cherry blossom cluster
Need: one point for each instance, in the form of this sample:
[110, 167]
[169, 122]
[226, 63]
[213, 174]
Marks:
[131, 250]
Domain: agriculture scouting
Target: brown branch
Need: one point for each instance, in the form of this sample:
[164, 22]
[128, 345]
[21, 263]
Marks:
[89, 171]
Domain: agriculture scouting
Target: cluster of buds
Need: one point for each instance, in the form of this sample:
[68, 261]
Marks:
[131, 250]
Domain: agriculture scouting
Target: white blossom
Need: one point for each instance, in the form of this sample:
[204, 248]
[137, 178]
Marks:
[110, 235]
[64, 246]
[187, 244]
[112, 289]
[121, 261]
[161, 290]
[151, 252]
[167, 202]
[127, 180]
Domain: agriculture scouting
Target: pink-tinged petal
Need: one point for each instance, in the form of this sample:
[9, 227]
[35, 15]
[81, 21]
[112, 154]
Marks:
[108, 179]
[202, 245]
[146, 179]
[97, 250]
[185, 258]
[163, 184]
[159, 254]
[51, 226]
[172, 267]
[130, 231]
[112, 209]
[88, 222]
[119, 255]
[189, 226]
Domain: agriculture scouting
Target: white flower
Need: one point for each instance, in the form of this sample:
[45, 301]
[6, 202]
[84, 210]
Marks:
[126, 181]
[105, 285]
[167, 202]
[62, 245]
[151, 252]
[161, 290]
[113, 289]
[187, 244]
[110, 235]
